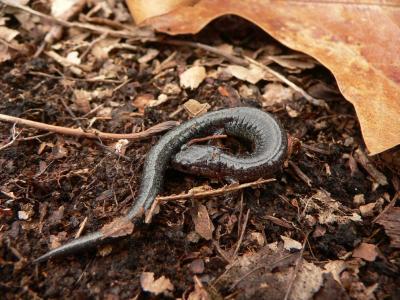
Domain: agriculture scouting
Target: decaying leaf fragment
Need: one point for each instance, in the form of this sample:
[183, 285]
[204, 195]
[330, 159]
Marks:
[194, 108]
[8, 44]
[362, 54]
[202, 222]
[119, 227]
[390, 220]
[366, 251]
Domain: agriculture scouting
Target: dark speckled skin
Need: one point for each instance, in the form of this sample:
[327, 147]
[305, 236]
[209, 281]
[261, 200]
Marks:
[261, 129]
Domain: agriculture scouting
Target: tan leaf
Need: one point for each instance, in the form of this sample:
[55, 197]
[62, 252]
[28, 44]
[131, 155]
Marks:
[253, 74]
[161, 285]
[366, 251]
[142, 101]
[7, 34]
[359, 199]
[192, 77]
[367, 210]
[290, 244]
[362, 55]
[335, 267]
[276, 93]
[202, 223]
[195, 108]
[101, 49]
[4, 53]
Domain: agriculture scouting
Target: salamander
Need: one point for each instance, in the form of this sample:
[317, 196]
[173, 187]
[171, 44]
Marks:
[261, 129]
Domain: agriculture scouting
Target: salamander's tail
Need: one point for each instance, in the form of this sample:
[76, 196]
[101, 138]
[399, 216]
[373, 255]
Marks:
[87, 241]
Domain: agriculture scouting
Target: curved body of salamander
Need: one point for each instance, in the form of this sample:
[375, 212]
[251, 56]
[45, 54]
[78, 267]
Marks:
[261, 129]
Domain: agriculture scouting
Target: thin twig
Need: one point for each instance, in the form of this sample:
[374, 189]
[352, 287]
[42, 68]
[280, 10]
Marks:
[239, 242]
[133, 34]
[222, 252]
[91, 134]
[300, 173]
[216, 192]
[207, 138]
[92, 43]
[240, 213]
[71, 113]
[296, 269]
[35, 137]
[74, 78]
[81, 227]
[93, 110]
[232, 58]
[315, 149]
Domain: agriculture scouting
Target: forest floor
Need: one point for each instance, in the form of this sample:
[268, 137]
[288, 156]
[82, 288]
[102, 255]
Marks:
[313, 231]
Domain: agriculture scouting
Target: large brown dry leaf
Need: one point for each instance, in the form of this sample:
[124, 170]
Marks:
[359, 43]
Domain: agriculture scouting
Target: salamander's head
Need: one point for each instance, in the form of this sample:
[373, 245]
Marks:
[195, 159]
[192, 155]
